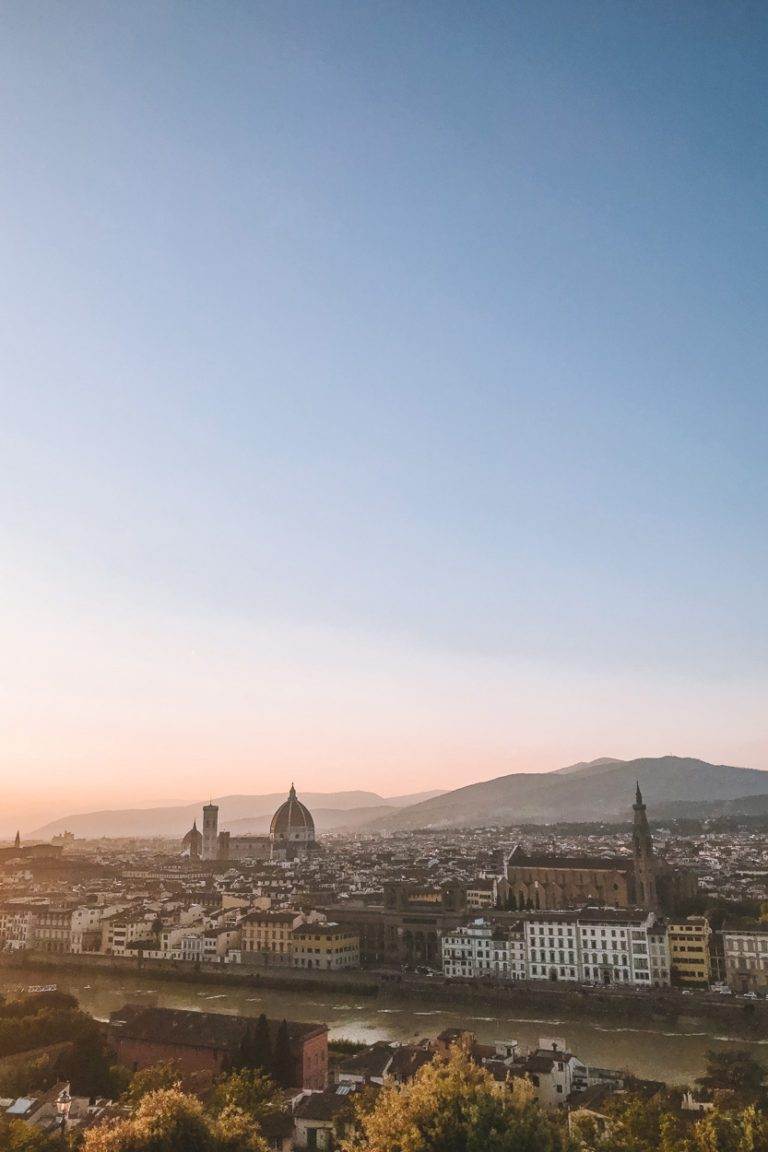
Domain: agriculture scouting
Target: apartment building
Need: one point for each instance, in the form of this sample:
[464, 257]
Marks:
[479, 949]
[124, 928]
[596, 946]
[325, 947]
[85, 929]
[689, 950]
[658, 947]
[746, 957]
[488, 892]
[17, 924]
[52, 929]
[267, 936]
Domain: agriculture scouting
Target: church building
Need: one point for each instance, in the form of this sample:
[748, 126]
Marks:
[642, 880]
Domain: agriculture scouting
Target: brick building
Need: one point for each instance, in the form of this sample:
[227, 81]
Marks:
[205, 1041]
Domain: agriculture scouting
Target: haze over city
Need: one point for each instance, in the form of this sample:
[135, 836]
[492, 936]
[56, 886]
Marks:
[383, 395]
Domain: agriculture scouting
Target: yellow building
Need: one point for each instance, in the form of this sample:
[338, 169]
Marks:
[325, 946]
[266, 937]
[689, 950]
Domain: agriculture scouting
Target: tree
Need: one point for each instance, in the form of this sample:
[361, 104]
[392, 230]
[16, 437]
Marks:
[256, 1047]
[152, 1079]
[745, 1131]
[171, 1121]
[282, 1061]
[16, 1136]
[736, 1072]
[453, 1105]
[250, 1092]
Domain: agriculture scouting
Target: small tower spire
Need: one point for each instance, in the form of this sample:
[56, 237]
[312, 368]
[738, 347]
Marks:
[17, 840]
[292, 793]
[644, 860]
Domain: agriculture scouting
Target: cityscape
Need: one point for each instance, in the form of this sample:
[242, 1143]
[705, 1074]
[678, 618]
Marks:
[496, 917]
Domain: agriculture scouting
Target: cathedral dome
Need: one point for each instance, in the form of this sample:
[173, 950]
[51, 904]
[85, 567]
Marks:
[292, 823]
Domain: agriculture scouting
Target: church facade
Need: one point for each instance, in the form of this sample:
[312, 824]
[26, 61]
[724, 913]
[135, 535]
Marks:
[542, 881]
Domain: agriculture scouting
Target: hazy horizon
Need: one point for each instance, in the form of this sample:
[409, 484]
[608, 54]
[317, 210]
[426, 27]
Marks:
[383, 395]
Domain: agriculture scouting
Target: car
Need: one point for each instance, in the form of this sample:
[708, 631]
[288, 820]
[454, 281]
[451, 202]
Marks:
[687, 992]
[750, 995]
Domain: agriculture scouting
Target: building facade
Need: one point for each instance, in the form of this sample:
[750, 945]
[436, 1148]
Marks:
[325, 947]
[266, 937]
[207, 1041]
[746, 957]
[594, 947]
[550, 882]
[689, 942]
[481, 949]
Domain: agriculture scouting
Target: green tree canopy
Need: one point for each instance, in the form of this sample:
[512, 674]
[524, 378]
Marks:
[453, 1105]
[735, 1072]
[170, 1121]
[152, 1079]
[249, 1091]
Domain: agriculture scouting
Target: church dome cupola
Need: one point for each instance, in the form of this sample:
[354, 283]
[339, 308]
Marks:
[292, 825]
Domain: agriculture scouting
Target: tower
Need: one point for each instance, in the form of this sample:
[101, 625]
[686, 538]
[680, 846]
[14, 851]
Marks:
[642, 850]
[210, 831]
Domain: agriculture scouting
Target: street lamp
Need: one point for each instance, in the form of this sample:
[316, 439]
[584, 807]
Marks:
[63, 1105]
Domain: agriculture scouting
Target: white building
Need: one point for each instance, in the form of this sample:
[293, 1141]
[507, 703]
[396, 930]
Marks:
[552, 948]
[596, 946]
[483, 950]
[552, 1071]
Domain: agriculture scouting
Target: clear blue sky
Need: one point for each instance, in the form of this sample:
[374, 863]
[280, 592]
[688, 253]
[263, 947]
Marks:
[383, 391]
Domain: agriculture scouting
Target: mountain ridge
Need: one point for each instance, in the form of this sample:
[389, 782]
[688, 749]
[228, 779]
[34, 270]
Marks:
[597, 790]
[176, 819]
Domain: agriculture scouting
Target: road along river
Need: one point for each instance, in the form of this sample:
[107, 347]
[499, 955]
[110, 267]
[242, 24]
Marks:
[661, 1052]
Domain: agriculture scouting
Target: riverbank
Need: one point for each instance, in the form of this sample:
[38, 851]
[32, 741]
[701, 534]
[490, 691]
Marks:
[628, 1006]
[663, 1049]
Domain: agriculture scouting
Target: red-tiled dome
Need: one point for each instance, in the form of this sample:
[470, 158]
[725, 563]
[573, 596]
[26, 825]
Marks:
[292, 821]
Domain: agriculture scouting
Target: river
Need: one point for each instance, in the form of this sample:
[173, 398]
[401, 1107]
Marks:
[660, 1053]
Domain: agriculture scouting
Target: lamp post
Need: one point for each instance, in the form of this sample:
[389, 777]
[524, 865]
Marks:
[63, 1105]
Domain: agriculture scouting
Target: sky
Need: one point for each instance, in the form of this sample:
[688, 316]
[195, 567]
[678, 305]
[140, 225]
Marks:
[383, 393]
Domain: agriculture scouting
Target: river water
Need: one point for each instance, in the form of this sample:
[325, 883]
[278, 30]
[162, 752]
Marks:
[659, 1052]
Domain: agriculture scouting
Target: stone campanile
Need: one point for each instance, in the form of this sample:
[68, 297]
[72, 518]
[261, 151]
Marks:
[645, 862]
[210, 831]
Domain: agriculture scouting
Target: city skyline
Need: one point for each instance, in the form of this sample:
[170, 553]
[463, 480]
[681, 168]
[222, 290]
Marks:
[383, 396]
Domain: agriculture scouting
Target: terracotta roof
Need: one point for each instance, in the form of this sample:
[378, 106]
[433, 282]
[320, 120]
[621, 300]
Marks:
[322, 1105]
[371, 1061]
[196, 1029]
[559, 863]
[292, 816]
[407, 1061]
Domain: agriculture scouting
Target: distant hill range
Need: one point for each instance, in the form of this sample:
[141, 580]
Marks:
[240, 814]
[673, 787]
[599, 790]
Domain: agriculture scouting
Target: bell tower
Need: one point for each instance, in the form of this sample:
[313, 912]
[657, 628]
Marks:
[210, 831]
[645, 862]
